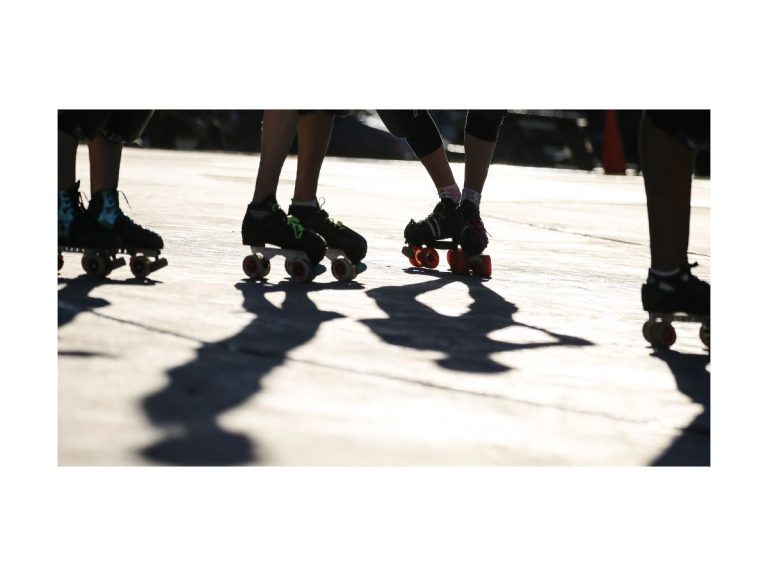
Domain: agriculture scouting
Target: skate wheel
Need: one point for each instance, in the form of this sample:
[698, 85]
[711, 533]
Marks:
[95, 265]
[430, 257]
[61, 260]
[140, 266]
[449, 257]
[663, 335]
[704, 335]
[460, 262]
[416, 259]
[342, 269]
[485, 266]
[256, 267]
[647, 331]
[299, 269]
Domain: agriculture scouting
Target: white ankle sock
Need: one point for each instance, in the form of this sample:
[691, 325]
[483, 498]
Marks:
[451, 192]
[312, 203]
[471, 195]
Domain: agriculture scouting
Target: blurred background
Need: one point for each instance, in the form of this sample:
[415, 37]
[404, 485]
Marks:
[591, 140]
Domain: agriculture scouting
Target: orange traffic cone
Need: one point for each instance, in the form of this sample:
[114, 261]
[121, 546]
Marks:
[613, 149]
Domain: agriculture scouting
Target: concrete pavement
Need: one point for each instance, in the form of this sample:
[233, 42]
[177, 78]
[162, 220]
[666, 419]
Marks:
[543, 364]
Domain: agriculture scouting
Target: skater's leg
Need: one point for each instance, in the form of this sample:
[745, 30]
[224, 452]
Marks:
[668, 143]
[314, 134]
[105, 156]
[105, 152]
[480, 135]
[420, 131]
[277, 134]
[67, 156]
[667, 172]
[439, 170]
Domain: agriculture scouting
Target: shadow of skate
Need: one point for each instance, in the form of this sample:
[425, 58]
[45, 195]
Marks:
[226, 374]
[692, 446]
[463, 340]
[73, 298]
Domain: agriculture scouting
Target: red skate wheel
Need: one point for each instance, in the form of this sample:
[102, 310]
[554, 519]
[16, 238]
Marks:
[417, 258]
[647, 331]
[663, 335]
[430, 257]
[460, 263]
[139, 266]
[342, 269]
[485, 266]
[250, 266]
[449, 257]
[256, 267]
[300, 269]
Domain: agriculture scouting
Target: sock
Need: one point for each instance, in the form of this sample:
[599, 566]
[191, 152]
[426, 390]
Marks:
[471, 195]
[451, 192]
[302, 203]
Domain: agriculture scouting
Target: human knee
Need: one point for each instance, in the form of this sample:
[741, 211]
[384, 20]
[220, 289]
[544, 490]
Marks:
[416, 126]
[484, 124]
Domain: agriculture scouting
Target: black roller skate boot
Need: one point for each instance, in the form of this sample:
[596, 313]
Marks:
[140, 243]
[681, 297]
[438, 230]
[439, 225]
[346, 248]
[472, 235]
[267, 224]
[79, 232]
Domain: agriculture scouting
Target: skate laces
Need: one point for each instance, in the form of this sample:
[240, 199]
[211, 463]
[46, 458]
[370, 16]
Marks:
[295, 225]
[686, 270]
[324, 214]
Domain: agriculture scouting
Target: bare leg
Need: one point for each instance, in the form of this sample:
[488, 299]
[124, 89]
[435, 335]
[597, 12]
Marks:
[667, 170]
[477, 158]
[277, 134]
[314, 134]
[67, 156]
[105, 158]
[438, 168]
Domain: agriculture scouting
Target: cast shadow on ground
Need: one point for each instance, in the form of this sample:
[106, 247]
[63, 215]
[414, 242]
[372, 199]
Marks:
[692, 446]
[463, 340]
[225, 374]
[74, 298]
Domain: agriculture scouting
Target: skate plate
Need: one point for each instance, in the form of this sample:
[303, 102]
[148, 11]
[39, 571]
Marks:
[659, 332]
[297, 264]
[342, 267]
[99, 263]
[426, 256]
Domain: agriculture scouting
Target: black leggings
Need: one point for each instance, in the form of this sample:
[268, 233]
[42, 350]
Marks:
[422, 135]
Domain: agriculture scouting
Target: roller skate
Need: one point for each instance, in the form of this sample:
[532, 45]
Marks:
[80, 233]
[423, 238]
[266, 223]
[346, 248]
[138, 242]
[679, 298]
